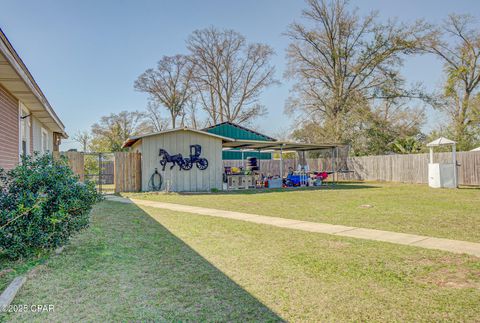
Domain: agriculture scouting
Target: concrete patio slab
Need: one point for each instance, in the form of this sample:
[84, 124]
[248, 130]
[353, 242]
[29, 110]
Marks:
[455, 246]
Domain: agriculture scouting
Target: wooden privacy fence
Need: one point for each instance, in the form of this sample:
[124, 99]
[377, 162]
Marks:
[127, 172]
[126, 169]
[411, 168]
[76, 162]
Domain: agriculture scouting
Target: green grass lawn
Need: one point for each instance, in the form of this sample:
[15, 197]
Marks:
[151, 264]
[405, 208]
[10, 269]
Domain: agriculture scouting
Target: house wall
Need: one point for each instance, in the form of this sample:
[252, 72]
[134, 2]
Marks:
[37, 136]
[179, 142]
[9, 133]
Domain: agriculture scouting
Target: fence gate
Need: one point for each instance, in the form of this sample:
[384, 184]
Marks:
[98, 168]
[111, 172]
[128, 172]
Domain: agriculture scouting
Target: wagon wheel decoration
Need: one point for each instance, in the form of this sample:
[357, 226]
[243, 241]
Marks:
[202, 163]
[187, 164]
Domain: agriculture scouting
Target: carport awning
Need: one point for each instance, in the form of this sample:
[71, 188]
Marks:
[275, 145]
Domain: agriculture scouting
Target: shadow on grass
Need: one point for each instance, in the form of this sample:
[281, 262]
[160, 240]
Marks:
[467, 187]
[328, 187]
[127, 266]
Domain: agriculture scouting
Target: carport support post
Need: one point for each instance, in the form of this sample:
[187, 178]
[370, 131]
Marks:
[281, 162]
[100, 172]
[454, 156]
[333, 166]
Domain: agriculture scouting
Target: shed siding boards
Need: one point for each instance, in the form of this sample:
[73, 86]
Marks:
[137, 147]
[236, 132]
[9, 133]
[179, 142]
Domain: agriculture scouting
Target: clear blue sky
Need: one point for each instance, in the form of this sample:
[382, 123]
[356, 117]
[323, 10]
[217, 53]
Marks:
[86, 54]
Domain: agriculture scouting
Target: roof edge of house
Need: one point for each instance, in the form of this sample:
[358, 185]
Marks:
[29, 79]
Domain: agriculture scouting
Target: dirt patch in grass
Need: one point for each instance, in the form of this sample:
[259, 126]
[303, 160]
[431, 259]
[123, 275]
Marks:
[36, 271]
[446, 260]
[459, 277]
[338, 244]
[5, 271]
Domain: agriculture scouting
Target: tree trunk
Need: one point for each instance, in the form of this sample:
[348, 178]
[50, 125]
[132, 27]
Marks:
[461, 122]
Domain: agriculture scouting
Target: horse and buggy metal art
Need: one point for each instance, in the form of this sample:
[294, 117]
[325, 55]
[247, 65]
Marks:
[184, 163]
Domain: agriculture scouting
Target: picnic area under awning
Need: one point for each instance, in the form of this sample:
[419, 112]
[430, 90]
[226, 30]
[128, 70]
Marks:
[280, 146]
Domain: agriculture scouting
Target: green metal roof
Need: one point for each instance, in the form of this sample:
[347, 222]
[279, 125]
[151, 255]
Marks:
[237, 155]
[231, 130]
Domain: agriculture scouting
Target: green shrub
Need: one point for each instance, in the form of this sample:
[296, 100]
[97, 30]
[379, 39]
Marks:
[41, 205]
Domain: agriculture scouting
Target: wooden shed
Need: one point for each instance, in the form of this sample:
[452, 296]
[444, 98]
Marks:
[182, 141]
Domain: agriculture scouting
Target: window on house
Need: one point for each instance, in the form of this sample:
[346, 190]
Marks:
[44, 141]
[25, 132]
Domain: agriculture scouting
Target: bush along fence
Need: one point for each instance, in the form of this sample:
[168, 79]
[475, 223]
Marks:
[412, 168]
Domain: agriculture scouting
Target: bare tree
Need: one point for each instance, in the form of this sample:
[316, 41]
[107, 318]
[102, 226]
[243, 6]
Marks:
[153, 117]
[342, 62]
[83, 138]
[230, 74]
[112, 130]
[457, 44]
[191, 117]
[169, 84]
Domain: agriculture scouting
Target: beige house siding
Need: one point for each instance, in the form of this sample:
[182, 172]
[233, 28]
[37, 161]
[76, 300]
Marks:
[37, 136]
[179, 142]
[9, 130]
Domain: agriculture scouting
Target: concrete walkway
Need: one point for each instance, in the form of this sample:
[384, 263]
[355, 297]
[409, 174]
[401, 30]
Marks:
[455, 246]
